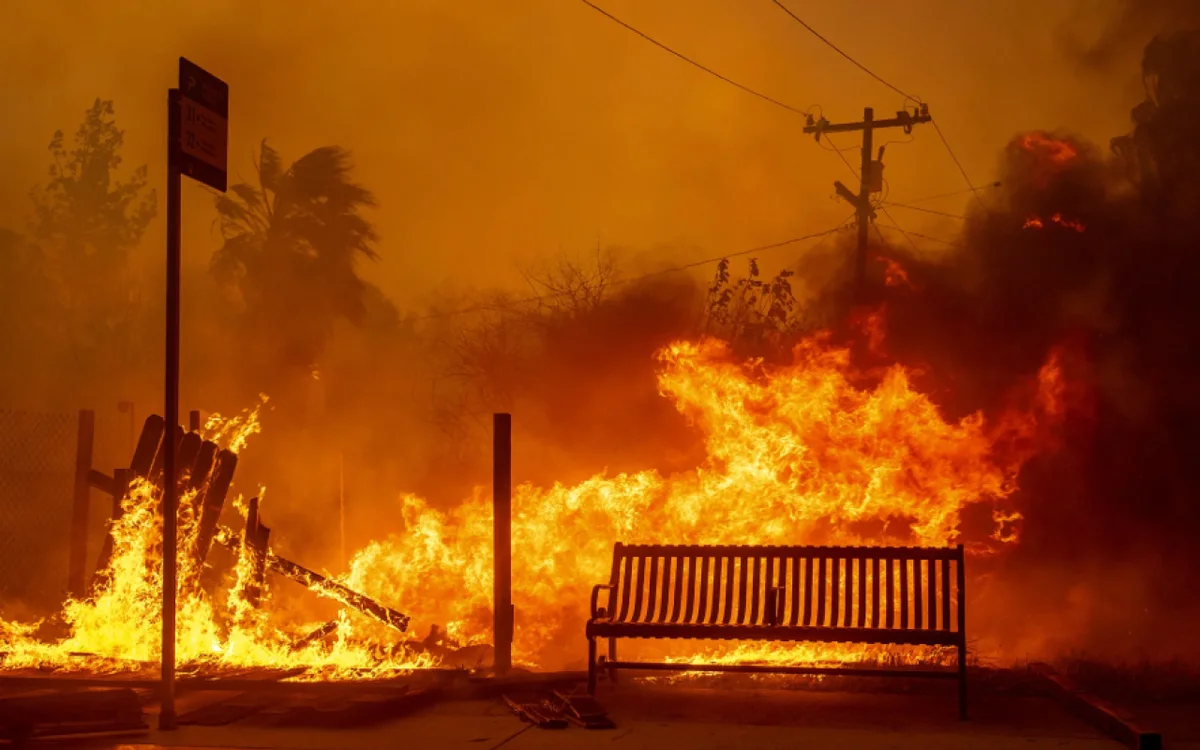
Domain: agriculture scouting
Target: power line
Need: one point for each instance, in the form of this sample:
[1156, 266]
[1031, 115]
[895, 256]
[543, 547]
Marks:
[840, 154]
[687, 59]
[509, 305]
[927, 210]
[957, 163]
[838, 50]
[952, 193]
[918, 234]
[897, 224]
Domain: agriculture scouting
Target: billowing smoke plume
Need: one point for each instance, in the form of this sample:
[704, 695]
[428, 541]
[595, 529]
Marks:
[1133, 23]
[1092, 252]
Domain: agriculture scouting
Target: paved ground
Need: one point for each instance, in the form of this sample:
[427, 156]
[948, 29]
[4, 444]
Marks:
[662, 718]
[1177, 720]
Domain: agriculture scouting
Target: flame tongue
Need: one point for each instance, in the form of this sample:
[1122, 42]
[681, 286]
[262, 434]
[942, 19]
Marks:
[797, 454]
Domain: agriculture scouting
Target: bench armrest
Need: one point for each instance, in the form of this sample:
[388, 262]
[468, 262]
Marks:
[596, 597]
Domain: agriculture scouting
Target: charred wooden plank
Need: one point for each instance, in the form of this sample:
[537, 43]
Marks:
[189, 449]
[254, 544]
[156, 468]
[319, 584]
[147, 446]
[338, 592]
[320, 633]
[203, 465]
[214, 501]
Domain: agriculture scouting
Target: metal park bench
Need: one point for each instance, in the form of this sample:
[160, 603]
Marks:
[868, 595]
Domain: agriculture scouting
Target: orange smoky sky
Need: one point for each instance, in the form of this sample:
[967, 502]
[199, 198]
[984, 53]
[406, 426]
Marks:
[496, 133]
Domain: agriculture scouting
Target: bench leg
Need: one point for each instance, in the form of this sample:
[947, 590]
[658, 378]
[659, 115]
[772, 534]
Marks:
[612, 656]
[962, 681]
[591, 666]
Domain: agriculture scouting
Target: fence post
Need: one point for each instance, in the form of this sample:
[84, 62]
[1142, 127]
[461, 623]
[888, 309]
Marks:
[193, 421]
[502, 540]
[84, 445]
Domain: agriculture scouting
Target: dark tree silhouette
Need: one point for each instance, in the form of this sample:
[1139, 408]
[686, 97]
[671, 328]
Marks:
[291, 242]
[85, 223]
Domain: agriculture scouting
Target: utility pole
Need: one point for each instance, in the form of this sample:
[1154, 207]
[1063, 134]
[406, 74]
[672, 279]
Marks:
[871, 175]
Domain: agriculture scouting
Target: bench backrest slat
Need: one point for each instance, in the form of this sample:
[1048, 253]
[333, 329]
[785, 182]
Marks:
[862, 592]
[946, 594]
[901, 588]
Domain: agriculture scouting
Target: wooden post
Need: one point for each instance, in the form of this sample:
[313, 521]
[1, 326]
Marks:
[502, 540]
[255, 543]
[84, 445]
[962, 634]
[342, 508]
[193, 421]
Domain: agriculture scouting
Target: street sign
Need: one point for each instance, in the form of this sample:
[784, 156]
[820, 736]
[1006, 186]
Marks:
[203, 125]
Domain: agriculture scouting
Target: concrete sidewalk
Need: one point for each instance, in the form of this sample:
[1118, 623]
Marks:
[663, 718]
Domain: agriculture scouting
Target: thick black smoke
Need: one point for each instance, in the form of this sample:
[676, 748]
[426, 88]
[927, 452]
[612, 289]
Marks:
[1093, 252]
[1129, 28]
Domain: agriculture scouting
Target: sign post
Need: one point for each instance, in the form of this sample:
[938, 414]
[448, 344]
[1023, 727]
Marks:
[197, 144]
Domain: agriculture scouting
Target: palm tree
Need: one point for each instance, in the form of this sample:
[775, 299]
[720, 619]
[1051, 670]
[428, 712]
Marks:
[291, 243]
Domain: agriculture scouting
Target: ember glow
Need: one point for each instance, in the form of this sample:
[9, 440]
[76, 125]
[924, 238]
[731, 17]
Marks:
[807, 453]
[1034, 222]
[894, 274]
[1052, 149]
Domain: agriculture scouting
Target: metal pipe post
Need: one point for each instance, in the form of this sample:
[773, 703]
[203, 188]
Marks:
[166, 718]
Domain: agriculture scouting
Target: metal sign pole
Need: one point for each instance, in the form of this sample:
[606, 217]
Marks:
[166, 718]
[197, 145]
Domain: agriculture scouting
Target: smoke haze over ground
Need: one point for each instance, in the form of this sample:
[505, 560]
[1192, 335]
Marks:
[523, 151]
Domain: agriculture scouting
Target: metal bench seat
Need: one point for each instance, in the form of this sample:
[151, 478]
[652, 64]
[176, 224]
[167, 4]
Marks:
[868, 595]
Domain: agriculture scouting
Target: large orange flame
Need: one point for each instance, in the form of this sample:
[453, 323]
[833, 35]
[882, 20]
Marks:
[799, 454]
[796, 454]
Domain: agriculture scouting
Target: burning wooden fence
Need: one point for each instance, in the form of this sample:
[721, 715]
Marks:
[203, 477]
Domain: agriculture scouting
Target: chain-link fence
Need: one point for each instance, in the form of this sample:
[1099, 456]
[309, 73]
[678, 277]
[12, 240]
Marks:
[37, 475]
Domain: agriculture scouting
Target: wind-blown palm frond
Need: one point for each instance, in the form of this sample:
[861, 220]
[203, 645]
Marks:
[291, 243]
